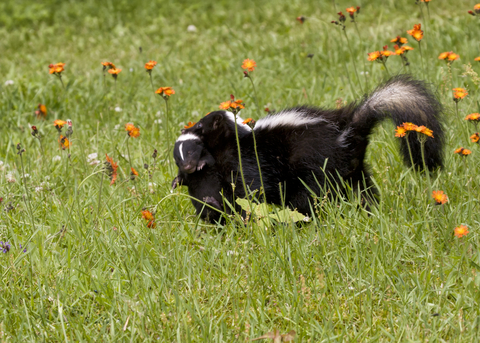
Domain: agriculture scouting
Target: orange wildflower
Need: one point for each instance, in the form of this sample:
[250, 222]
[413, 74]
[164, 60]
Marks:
[58, 123]
[459, 94]
[409, 126]
[148, 216]
[462, 151]
[133, 171]
[439, 197]
[475, 138]
[301, 19]
[476, 8]
[461, 231]
[386, 53]
[477, 58]
[108, 65]
[249, 64]
[41, 112]
[150, 65]
[111, 169]
[351, 11]
[399, 40]
[448, 56]
[225, 105]
[416, 32]
[473, 117]
[114, 72]
[64, 142]
[166, 92]
[373, 56]
[56, 68]
[132, 130]
[189, 125]
[400, 131]
[246, 121]
[426, 131]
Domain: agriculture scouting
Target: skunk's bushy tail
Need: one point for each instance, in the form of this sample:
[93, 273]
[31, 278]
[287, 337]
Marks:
[404, 99]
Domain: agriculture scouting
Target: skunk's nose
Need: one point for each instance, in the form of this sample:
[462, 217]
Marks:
[189, 168]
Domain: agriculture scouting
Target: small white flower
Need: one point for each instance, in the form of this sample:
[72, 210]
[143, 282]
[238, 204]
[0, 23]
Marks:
[56, 158]
[191, 28]
[38, 189]
[117, 126]
[195, 113]
[159, 114]
[27, 176]
[151, 187]
[131, 69]
[157, 121]
[231, 252]
[118, 109]
[364, 73]
[10, 178]
[92, 156]
[47, 177]
[9, 82]
[94, 162]
[180, 81]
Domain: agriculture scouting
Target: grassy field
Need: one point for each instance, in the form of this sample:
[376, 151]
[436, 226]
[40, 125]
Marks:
[82, 264]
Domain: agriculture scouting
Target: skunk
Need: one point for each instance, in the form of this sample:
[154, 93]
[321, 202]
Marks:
[197, 172]
[305, 150]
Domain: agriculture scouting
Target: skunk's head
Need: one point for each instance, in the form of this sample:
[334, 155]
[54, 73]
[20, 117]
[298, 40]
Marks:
[216, 127]
[190, 154]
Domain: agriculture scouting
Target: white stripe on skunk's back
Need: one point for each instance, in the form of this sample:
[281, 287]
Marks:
[187, 137]
[287, 118]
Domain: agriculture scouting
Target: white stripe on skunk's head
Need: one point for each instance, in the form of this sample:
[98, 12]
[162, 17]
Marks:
[289, 118]
[187, 136]
[230, 116]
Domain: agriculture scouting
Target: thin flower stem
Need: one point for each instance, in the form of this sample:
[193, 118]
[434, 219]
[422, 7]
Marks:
[385, 65]
[255, 98]
[130, 162]
[100, 195]
[27, 195]
[240, 157]
[456, 108]
[60, 77]
[421, 56]
[409, 150]
[167, 129]
[353, 59]
[151, 82]
[422, 149]
[259, 169]
[364, 63]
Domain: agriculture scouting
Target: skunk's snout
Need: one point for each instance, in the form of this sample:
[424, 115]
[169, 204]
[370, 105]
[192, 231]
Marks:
[189, 168]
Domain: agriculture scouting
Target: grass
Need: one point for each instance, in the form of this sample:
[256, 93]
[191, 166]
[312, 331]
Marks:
[94, 271]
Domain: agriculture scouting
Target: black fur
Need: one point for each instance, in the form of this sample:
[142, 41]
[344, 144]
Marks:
[327, 150]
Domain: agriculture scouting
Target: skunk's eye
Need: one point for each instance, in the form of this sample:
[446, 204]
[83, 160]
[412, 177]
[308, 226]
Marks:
[199, 125]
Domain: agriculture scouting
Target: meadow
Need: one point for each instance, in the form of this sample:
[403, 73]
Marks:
[82, 260]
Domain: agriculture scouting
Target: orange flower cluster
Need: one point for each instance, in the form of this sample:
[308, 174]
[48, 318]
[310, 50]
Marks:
[56, 68]
[416, 32]
[58, 123]
[150, 65]
[475, 117]
[150, 218]
[462, 151]
[165, 92]
[114, 72]
[189, 125]
[380, 56]
[399, 40]
[111, 168]
[449, 56]
[439, 197]
[459, 94]
[475, 138]
[108, 65]
[41, 113]
[132, 130]
[133, 173]
[400, 50]
[63, 142]
[405, 128]
[232, 105]
[461, 231]
[351, 11]
[249, 64]
[476, 10]
[477, 59]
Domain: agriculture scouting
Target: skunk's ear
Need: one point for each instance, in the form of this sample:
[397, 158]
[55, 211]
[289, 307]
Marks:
[218, 121]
